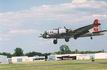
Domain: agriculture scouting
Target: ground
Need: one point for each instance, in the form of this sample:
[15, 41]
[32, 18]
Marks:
[58, 65]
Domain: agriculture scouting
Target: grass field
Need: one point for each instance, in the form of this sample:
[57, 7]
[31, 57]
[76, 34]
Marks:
[58, 65]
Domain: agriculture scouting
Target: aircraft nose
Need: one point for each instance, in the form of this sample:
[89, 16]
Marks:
[44, 35]
[41, 35]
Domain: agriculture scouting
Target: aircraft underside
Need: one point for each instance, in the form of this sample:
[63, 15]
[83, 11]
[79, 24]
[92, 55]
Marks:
[55, 41]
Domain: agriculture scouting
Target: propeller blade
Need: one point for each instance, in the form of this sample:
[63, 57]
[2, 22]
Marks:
[67, 30]
[65, 27]
[41, 34]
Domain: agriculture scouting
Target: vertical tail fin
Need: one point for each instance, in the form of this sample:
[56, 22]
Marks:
[96, 26]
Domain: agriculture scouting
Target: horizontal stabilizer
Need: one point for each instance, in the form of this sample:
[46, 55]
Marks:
[100, 31]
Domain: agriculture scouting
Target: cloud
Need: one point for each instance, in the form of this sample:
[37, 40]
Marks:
[13, 34]
[79, 1]
[23, 31]
[4, 37]
[22, 28]
[45, 12]
[85, 4]
[100, 15]
[89, 4]
[66, 12]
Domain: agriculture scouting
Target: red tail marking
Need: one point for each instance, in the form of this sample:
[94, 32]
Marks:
[96, 29]
[96, 25]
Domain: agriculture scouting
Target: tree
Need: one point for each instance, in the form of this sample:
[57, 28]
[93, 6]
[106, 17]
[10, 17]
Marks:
[76, 51]
[64, 49]
[30, 54]
[18, 52]
[9, 55]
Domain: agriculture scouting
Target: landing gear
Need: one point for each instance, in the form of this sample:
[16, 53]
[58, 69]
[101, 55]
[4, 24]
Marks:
[55, 41]
[91, 37]
[67, 39]
[75, 37]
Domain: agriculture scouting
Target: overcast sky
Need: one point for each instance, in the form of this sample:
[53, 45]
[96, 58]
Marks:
[22, 21]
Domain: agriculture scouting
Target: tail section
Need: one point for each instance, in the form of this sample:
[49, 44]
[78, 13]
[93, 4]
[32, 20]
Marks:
[96, 26]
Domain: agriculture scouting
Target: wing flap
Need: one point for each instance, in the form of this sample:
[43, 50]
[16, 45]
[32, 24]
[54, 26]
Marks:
[89, 35]
[101, 31]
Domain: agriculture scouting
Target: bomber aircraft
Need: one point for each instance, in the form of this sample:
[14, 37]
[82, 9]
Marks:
[65, 33]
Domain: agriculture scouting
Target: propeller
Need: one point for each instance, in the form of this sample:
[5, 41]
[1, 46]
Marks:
[41, 35]
[58, 30]
[67, 30]
[44, 34]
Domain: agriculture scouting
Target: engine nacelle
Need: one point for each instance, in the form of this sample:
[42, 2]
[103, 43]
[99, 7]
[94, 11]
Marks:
[56, 31]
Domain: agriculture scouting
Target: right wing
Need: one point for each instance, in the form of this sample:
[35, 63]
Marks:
[92, 34]
[85, 30]
[99, 33]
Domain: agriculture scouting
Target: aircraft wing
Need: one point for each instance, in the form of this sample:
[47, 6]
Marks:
[84, 31]
[99, 33]
[94, 34]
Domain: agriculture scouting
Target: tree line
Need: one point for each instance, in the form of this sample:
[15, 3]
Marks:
[63, 49]
[19, 52]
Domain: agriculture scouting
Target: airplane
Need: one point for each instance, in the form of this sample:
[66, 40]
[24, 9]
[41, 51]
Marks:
[65, 33]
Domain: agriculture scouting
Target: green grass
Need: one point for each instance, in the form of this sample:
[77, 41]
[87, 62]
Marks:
[58, 65]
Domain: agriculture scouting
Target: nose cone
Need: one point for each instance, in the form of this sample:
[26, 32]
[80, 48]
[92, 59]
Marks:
[44, 35]
[41, 35]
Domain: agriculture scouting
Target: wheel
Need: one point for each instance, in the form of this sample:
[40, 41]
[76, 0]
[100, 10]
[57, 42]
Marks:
[67, 39]
[55, 41]
[91, 37]
[75, 37]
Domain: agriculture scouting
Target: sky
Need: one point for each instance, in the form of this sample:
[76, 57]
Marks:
[22, 22]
